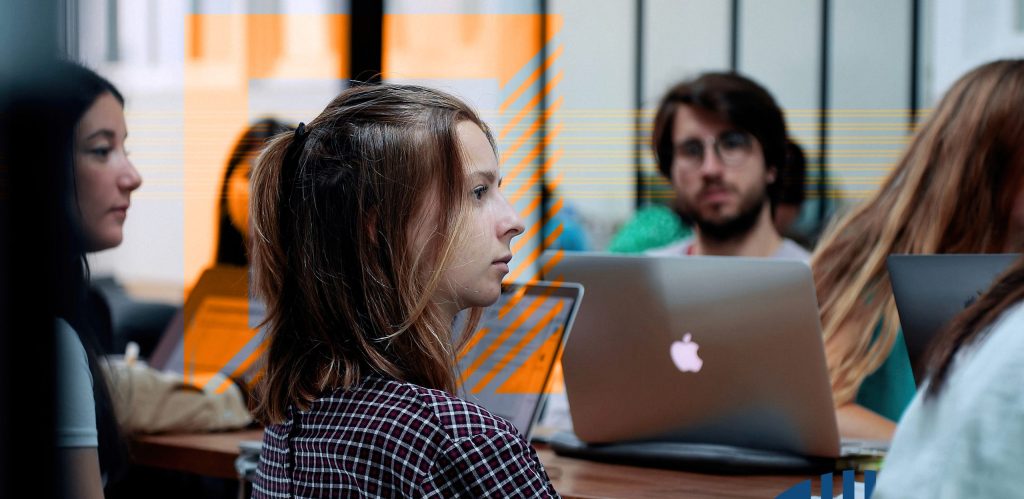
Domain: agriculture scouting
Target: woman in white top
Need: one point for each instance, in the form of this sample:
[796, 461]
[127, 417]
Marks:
[98, 179]
[963, 434]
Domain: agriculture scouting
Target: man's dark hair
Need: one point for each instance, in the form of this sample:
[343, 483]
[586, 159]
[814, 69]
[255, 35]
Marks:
[791, 175]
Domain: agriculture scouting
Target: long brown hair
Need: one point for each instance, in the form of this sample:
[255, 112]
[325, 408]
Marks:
[951, 192]
[972, 325]
[333, 211]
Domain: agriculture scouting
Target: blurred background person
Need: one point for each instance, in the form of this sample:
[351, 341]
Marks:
[956, 189]
[790, 195]
[567, 221]
[721, 140]
[233, 205]
[657, 224]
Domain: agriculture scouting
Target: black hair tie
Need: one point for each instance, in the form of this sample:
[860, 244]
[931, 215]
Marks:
[290, 171]
[298, 143]
[290, 167]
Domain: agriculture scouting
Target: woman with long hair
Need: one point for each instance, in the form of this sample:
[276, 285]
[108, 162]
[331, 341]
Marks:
[962, 434]
[955, 190]
[373, 226]
[97, 182]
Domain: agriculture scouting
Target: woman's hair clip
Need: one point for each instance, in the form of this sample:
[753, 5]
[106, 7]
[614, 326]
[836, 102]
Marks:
[291, 158]
[290, 166]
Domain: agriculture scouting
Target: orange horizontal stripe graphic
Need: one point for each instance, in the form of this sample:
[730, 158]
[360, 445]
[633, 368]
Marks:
[553, 108]
[521, 165]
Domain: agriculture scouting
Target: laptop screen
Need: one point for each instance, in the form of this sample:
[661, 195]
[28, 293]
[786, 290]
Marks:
[506, 364]
[931, 290]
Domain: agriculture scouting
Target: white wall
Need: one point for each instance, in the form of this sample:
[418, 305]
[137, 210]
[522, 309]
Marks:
[150, 75]
[968, 33]
[597, 117]
[682, 40]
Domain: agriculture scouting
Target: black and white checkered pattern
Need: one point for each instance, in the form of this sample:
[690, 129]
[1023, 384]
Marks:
[393, 439]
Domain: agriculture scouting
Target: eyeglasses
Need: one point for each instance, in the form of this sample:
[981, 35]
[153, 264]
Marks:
[732, 147]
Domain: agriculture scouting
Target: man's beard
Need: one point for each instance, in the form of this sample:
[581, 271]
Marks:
[732, 228]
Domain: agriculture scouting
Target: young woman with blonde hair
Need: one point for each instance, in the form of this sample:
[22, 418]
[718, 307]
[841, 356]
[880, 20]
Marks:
[957, 189]
[373, 226]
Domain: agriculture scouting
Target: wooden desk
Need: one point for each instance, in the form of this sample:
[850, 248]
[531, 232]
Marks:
[206, 454]
[213, 454]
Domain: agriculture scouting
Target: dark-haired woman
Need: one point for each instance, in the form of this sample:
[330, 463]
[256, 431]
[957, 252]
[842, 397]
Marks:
[100, 179]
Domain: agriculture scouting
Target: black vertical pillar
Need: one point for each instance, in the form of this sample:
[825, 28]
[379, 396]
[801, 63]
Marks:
[542, 157]
[915, 61]
[734, 36]
[366, 40]
[823, 105]
[639, 139]
[29, 37]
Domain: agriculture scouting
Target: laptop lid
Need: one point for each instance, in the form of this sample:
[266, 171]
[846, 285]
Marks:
[507, 363]
[722, 350]
[930, 290]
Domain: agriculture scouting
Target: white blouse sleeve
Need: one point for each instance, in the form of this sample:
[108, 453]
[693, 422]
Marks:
[76, 408]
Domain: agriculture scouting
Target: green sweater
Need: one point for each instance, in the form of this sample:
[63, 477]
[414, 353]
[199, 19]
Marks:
[652, 227]
[889, 390]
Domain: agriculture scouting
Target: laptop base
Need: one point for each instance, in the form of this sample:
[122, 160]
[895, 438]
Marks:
[685, 456]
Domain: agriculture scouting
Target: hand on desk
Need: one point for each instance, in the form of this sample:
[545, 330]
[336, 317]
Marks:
[855, 421]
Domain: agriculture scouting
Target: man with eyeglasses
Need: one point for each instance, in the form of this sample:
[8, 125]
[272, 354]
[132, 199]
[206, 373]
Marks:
[721, 140]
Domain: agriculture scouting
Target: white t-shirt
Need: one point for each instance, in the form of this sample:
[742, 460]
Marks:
[787, 250]
[76, 408]
[969, 441]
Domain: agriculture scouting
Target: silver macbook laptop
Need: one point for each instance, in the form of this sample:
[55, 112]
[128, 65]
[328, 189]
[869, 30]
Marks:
[930, 290]
[719, 350]
[507, 363]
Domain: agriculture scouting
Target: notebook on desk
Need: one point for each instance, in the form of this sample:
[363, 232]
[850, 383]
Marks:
[215, 336]
[710, 359]
[930, 290]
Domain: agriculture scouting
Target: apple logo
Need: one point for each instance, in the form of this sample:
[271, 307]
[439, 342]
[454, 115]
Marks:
[684, 355]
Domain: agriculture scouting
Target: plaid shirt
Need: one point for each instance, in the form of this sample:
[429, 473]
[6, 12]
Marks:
[388, 438]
